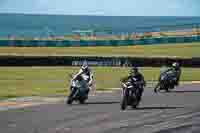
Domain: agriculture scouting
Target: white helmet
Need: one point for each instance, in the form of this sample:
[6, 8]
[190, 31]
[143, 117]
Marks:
[175, 65]
[84, 66]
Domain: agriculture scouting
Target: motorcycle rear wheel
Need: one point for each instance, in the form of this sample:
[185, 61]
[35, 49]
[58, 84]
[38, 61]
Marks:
[157, 88]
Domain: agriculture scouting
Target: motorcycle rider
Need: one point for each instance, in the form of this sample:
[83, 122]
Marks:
[177, 70]
[135, 74]
[87, 75]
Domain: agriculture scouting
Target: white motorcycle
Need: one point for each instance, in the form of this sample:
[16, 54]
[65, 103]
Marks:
[79, 90]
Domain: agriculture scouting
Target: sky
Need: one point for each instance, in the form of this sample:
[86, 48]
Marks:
[103, 7]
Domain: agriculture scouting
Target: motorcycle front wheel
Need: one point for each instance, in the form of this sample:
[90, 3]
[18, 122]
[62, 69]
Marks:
[135, 99]
[135, 104]
[157, 88]
[124, 103]
[70, 97]
[69, 101]
[124, 100]
[82, 101]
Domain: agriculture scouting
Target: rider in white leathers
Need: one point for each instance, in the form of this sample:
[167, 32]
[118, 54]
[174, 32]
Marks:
[87, 75]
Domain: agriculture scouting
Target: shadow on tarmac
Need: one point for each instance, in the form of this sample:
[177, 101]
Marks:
[189, 91]
[181, 91]
[96, 103]
[157, 108]
[110, 102]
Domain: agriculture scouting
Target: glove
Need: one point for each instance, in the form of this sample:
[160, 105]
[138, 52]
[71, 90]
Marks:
[89, 84]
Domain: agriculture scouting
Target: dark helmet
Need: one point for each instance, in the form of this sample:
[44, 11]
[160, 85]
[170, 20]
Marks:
[133, 70]
[176, 65]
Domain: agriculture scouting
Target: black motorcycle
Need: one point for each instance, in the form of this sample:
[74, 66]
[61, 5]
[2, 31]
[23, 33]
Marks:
[166, 81]
[78, 91]
[130, 94]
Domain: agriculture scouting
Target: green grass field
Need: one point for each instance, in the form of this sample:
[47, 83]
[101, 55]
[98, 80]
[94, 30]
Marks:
[179, 50]
[47, 81]
[52, 81]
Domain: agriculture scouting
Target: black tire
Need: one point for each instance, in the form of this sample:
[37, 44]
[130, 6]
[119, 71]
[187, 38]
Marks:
[166, 90]
[135, 104]
[124, 103]
[82, 101]
[124, 100]
[69, 101]
[136, 100]
[157, 88]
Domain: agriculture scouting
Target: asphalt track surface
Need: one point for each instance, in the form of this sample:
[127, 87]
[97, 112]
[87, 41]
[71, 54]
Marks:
[174, 112]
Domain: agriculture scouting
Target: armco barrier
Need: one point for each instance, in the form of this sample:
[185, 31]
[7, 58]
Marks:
[94, 61]
[69, 43]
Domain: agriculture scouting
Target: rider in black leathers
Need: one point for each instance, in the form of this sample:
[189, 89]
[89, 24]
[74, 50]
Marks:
[177, 70]
[134, 73]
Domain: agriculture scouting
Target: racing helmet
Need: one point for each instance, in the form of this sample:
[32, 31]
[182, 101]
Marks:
[176, 65]
[133, 70]
[85, 66]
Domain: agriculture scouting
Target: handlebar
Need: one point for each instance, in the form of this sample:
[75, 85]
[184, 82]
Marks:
[143, 83]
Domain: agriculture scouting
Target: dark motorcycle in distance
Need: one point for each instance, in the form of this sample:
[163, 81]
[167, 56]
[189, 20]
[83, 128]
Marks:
[78, 91]
[130, 93]
[166, 80]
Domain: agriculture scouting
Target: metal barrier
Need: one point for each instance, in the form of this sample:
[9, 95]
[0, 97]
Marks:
[95, 61]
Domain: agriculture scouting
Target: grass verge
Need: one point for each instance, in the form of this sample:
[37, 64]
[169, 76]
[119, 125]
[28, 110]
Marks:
[179, 50]
[51, 81]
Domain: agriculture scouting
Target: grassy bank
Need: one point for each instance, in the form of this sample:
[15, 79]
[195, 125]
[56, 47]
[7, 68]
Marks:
[46, 81]
[180, 50]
